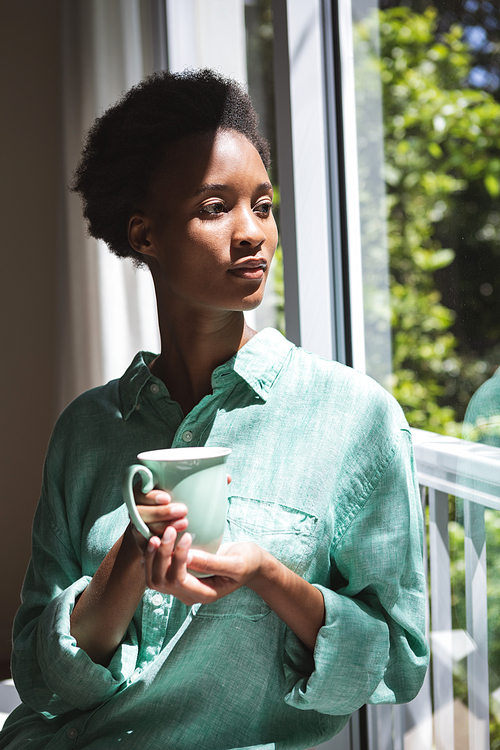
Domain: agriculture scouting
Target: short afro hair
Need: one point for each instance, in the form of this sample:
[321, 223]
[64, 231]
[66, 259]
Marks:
[124, 147]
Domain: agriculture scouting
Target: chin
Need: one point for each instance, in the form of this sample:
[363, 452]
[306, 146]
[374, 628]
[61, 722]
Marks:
[250, 303]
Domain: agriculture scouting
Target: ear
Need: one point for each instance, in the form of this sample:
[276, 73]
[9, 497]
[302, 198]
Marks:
[138, 231]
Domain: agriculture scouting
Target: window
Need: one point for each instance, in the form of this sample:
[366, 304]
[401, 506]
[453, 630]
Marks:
[383, 117]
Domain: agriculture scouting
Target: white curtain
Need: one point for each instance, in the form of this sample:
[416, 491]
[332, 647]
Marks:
[107, 307]
[207, 34]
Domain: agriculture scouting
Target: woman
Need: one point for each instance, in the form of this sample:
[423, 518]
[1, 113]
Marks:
[315, 604]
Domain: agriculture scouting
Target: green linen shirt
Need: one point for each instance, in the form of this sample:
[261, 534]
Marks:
[322, 477]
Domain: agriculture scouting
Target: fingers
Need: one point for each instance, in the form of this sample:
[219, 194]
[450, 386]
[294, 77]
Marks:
[158, 557]
[178, 565]
[239, 561]
[155, 497]
[165, 568]
[166, 563]
[166, 514]
[213, 565]
[158, 511]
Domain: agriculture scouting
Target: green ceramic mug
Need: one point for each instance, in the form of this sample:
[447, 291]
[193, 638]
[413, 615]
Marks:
[196, 477]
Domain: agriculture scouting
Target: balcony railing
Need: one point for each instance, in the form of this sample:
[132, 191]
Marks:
[437, 719]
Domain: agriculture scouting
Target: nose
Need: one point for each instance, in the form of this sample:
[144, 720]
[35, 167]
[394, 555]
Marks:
[248, 232]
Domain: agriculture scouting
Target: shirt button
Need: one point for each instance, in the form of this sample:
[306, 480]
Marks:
[154, 388]
[72, 733]
[187, 436]
[157, 600]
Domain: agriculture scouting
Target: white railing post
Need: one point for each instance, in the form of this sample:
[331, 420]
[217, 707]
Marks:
[477, 625]
[415, 725]
[442, 646]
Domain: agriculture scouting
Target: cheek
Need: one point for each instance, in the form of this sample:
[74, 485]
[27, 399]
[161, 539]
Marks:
[275, 236]
[272, 239]
[206, 240]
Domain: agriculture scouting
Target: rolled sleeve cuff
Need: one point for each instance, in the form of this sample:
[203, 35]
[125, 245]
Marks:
[72, 679]
[350, 655]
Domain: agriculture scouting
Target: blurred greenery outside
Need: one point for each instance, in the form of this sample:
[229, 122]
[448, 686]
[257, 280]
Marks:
[442, 180]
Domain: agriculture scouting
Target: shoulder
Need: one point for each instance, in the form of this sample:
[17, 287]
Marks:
[343, 389]
[90, 405]
[113, 401]
[84, 425]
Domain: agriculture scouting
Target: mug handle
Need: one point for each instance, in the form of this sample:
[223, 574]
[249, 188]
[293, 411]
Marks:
[147, 484]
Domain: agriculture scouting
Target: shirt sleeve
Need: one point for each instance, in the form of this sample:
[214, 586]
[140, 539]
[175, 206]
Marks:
[52, 675]
[372, 647]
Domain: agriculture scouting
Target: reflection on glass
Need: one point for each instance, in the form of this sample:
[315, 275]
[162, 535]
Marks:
[372, 194]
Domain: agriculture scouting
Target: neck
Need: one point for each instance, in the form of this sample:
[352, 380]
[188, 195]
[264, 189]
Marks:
[193, 344]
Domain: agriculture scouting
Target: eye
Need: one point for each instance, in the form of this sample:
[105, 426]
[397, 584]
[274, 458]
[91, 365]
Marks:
[213, 208]
[264, 208]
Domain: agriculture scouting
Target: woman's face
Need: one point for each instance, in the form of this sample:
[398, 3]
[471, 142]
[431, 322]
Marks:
[209, 223]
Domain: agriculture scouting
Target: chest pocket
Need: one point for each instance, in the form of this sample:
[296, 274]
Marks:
[287, 533]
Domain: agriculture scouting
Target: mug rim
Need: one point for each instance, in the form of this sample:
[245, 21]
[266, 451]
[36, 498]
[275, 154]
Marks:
[184, 454]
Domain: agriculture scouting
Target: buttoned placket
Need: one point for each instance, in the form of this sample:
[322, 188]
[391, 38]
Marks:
[191, 432]
[155, 618]
[158, 627]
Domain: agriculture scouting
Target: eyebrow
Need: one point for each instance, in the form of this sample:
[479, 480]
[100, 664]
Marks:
[216, 186]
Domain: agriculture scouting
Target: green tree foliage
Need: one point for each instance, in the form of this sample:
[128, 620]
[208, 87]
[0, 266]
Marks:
[480, 20]
[441, 140]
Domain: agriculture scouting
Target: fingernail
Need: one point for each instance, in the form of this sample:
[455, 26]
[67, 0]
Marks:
[167, 537]
[151, 544]
[162, 497]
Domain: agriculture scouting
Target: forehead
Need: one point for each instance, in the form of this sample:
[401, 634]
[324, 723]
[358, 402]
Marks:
[225, 157]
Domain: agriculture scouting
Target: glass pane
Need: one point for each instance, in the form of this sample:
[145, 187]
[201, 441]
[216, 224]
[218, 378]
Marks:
[428, 106]
[259, 46]
[427, 112]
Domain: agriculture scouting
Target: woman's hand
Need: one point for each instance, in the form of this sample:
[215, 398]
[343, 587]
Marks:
[166, 568]
[158, 512]
[299, 604]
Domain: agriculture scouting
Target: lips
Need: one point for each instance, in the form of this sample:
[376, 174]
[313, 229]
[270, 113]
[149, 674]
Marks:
[249, 268]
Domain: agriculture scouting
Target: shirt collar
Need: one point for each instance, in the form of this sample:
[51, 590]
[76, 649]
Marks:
[258, 363]
[133, 381]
